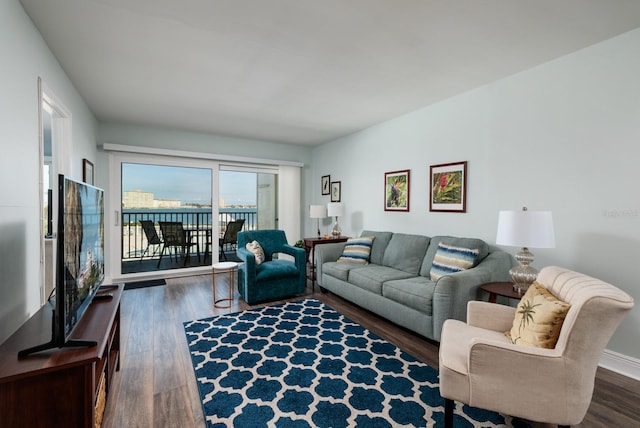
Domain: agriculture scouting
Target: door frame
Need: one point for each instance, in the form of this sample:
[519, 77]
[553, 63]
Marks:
[288, 183]
[113, 214]
[60, 164]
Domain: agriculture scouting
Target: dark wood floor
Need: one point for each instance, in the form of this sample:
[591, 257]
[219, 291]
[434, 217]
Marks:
[156, 385]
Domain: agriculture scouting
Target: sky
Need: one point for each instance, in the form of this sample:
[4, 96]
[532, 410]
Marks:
[189, 185]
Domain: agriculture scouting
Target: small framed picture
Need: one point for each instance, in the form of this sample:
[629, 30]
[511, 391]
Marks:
[335, 191]
[448, 187]
[87, 171]
[326, 183]
[396, 190]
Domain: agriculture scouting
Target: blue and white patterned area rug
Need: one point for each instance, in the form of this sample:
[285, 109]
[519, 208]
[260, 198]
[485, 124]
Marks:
[303, 364]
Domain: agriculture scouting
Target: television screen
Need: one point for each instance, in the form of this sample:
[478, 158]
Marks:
[80, 269]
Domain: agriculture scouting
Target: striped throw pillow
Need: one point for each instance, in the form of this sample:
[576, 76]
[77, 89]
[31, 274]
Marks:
[450, 259]
[357, 250]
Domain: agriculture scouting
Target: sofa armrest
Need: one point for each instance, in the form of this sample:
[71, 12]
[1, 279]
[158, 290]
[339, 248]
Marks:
[490, 316]
[326, 253]
[452, 292]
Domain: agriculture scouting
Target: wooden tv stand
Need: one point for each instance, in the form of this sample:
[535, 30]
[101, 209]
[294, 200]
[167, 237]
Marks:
[61, 387]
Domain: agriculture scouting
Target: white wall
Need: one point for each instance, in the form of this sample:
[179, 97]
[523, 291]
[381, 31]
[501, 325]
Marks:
[154, 137]
[563, 136]
[25, 56]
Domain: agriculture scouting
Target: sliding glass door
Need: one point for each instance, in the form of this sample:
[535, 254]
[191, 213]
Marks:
[166, 217]
[172, 212]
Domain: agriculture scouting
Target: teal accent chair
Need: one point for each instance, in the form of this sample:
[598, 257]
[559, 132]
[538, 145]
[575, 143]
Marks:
[274, 278]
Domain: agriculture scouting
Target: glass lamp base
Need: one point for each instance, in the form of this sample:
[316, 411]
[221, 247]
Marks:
[336, 231]
[524, 274]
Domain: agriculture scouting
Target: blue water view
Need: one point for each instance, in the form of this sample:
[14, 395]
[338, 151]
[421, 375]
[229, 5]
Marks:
[190, 216]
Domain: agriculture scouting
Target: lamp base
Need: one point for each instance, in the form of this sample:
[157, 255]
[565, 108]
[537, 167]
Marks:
[336, 231]
[524, 274]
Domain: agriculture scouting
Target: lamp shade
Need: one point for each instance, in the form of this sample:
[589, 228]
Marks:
[317, 211]
[533, 229]
[335, 209]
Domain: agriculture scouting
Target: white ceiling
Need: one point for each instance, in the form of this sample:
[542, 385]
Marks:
[304, 71]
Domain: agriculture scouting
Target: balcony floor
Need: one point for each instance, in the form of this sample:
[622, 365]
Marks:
[150, 264]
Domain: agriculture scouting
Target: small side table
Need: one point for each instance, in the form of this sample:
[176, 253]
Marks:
[310, 247]
[230, 269]
[504, 289]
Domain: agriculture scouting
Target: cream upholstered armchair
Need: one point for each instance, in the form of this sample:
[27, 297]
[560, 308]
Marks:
[480, 366]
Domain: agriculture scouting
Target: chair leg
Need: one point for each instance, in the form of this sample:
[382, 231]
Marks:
[144, 252]
[161, 254]
[448, 413]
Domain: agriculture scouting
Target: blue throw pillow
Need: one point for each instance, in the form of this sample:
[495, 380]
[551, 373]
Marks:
[450, 259]
[357, 250]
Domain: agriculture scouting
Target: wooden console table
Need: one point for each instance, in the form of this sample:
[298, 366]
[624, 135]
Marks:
[310, 247]
[61, 387]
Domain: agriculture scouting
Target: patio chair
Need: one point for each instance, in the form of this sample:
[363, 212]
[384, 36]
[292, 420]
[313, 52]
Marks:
[230, 237]
[174, 236]
[152, 237]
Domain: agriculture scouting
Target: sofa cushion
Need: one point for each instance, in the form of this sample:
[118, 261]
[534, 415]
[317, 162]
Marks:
[275, 269]
[372, 277]
[357, 250]
[338, 270]
[483, 250]
[406, 252]
[450, 259]
[415, 293]
[380, 242]
[539, 318]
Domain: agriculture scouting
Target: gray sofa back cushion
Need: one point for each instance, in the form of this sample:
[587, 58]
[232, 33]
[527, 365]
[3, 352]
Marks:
[379, 244]
[471, 243]
[406, 252]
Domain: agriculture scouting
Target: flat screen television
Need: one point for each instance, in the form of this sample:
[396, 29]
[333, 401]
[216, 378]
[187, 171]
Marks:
[79, 260]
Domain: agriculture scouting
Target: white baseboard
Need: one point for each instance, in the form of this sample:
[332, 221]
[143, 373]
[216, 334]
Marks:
[620, 363]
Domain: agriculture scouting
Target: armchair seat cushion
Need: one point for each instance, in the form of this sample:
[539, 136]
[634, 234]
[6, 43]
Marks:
[275, 269]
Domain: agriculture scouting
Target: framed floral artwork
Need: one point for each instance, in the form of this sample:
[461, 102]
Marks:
[326, 184]
[448, 186]
[396, 190]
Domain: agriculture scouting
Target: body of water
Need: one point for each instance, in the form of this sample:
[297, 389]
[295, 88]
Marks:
[190, 216]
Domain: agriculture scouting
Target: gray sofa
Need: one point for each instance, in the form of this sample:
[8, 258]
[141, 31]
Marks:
[396, 284]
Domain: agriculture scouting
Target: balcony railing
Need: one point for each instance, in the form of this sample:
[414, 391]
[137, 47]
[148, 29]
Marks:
[134, 240]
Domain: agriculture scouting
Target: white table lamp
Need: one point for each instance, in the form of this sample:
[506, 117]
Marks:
[525, 229]
[318, 212]
[335, 209]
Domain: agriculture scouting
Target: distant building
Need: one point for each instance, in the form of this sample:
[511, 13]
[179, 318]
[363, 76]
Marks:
[166, 203]
[137, 199]
[141, 199]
